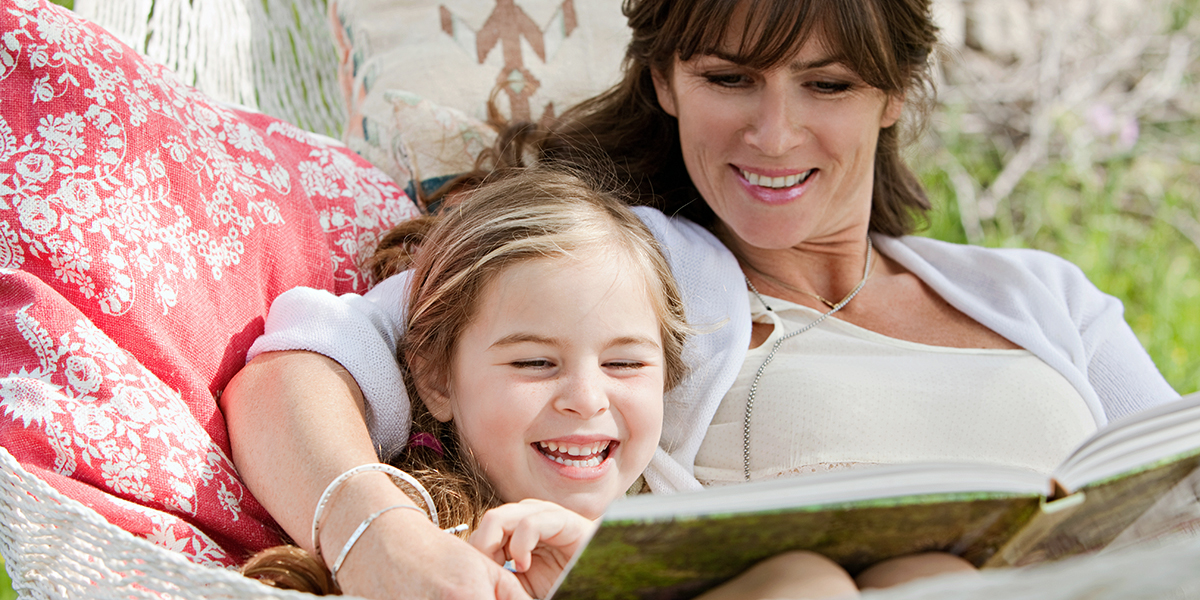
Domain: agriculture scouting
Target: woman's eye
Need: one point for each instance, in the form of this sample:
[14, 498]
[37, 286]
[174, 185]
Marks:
[731, 80]
[830, 87]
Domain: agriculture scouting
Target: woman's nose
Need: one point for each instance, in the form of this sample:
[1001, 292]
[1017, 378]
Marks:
[775, 127]
[583, 396]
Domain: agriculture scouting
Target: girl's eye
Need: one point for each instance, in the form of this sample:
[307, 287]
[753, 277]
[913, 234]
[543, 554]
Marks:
[624, 364]
[533, 363]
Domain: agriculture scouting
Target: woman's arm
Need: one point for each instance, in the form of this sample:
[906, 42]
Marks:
[295, 423]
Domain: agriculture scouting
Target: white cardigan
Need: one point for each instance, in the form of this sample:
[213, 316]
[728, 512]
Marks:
[1034, 299]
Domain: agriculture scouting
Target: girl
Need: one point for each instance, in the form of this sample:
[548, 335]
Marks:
[543, 328]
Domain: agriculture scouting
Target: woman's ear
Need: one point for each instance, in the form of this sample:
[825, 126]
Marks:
[662, 88]
[892, 110]
[435, 392]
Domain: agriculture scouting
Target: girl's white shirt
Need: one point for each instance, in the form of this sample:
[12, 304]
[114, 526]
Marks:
[1034, 299]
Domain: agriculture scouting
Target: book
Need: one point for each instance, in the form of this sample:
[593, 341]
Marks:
[1133, 481]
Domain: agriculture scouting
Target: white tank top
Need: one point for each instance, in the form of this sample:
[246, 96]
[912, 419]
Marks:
[839, 396]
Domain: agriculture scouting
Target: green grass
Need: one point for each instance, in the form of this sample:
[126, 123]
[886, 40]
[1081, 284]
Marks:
[6, 591]
[1125, 220]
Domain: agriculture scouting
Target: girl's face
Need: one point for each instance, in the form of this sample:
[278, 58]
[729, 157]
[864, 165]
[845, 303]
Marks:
[782, 156]
[557, 383]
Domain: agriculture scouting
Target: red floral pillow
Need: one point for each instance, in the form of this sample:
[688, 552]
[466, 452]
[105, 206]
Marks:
[144, 231]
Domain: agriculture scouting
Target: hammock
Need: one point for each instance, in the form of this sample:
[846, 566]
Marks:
[58, 548]
[275, 56]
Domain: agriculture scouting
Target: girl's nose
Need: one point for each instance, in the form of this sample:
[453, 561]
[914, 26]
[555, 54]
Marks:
[583, 396]
[775, 126]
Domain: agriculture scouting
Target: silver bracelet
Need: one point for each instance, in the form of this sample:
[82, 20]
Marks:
[400, 478]
[362, 527]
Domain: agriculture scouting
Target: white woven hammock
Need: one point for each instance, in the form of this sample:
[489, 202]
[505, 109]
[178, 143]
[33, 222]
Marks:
[276, 56]
[59, 548]
[55, 547]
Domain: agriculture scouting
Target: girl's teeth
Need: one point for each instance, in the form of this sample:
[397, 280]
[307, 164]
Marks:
[592, 450]
[590, 462]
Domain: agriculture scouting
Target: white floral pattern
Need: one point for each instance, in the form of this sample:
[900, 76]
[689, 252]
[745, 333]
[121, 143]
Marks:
[144, 230]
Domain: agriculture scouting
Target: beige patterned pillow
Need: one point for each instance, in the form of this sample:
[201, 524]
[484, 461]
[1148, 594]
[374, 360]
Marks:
[417, 74]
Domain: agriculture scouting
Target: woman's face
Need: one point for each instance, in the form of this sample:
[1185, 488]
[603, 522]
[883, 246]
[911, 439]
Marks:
[782, 156]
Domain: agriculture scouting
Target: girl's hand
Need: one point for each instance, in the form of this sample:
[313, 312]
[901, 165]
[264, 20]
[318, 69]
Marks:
[539, 537]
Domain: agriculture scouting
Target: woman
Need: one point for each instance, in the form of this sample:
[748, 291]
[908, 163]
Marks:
[772, 125]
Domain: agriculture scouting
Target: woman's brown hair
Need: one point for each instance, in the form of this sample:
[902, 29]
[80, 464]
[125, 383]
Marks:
[886, 42]
[518, 215]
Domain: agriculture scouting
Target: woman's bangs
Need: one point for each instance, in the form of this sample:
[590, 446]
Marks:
[770, 31]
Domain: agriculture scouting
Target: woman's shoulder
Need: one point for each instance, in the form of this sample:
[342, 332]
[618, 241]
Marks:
[967, 261]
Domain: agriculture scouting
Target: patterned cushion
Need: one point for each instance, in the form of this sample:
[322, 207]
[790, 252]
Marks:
[144, 231]
[539, 56]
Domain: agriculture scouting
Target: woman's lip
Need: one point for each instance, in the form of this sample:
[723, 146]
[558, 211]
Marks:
[769, 195]
[770, 172]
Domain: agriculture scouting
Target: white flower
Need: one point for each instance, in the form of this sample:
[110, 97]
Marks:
[29, 399]
[229, 501]
[36, 215]
[62, 134]
[134, 403]
[36, 167]
[92, 421]
[12, 255]
[80, 197]
[83, 374]
[166, 295]
[316, 181]
[176, 149]
[71, 260]
[125, 473]
[42, 90]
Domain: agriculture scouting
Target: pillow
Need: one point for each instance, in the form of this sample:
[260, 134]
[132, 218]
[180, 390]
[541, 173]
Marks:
[144, 231]
[539, 56]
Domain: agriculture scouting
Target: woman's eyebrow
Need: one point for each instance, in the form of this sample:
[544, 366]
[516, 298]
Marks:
[794, 66]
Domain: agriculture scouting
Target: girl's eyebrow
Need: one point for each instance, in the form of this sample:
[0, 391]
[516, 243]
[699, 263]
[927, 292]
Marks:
[533, 338]
[523, 338]
[633, 340]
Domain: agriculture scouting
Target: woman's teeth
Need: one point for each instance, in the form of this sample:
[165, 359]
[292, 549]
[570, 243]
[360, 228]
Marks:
[786, 181]
[590, 455]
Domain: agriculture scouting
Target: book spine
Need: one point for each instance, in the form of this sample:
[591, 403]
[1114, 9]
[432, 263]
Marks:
[1021, 548]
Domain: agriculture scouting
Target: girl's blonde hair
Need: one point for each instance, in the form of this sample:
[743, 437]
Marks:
[516, 216]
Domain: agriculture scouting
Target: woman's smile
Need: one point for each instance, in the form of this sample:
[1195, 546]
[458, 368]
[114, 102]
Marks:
[775, 189]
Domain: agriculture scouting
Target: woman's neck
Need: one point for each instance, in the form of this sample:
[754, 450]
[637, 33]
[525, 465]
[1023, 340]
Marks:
[814, 273]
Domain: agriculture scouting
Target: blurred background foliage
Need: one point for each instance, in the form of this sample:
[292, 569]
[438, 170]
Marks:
[1084, 141]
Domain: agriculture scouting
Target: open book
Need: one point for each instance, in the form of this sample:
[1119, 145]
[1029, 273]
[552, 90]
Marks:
[1134, 480]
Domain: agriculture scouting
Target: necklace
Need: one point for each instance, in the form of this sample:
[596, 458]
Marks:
[775, 348]
[797, 290]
